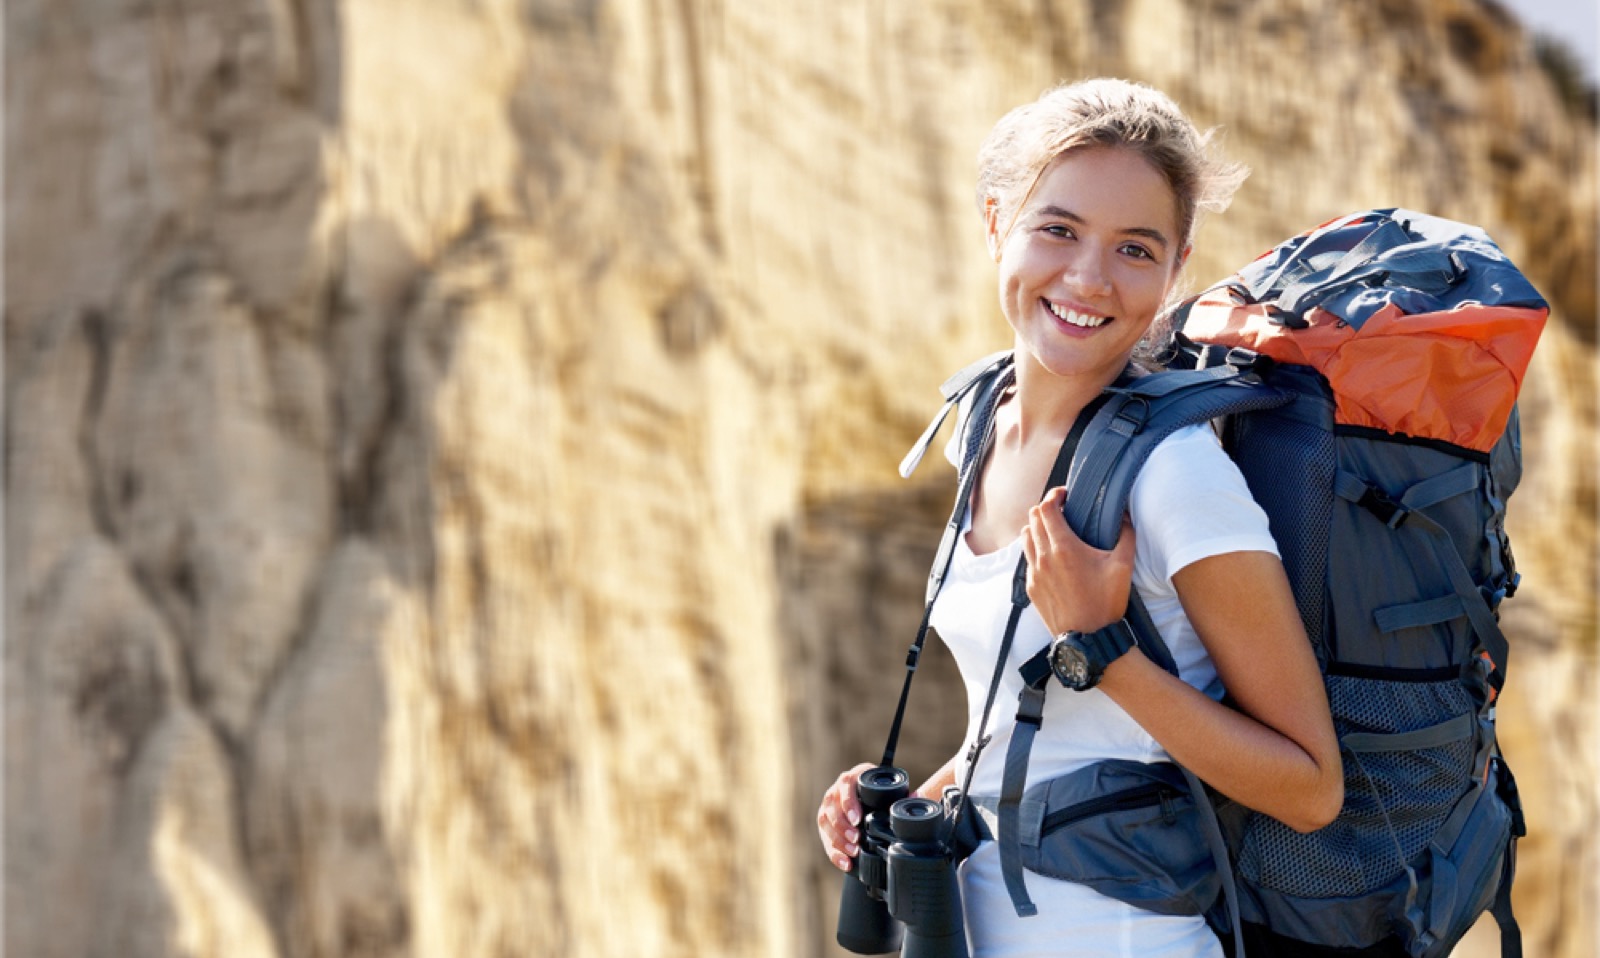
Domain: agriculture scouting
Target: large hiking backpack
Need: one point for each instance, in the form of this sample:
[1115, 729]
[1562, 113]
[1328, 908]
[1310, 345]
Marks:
[1403, 340]
[1363, 376]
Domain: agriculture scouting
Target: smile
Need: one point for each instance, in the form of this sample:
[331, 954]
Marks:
[1083, 320]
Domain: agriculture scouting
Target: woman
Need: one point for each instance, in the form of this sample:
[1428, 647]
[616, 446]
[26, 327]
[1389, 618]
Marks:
[1089, 198]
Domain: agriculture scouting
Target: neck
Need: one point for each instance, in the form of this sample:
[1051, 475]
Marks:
[1047, 404]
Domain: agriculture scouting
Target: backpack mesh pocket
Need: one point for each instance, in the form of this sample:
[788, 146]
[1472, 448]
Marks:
[1392, 798]
[1298, 442]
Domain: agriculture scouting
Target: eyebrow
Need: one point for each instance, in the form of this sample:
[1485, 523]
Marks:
[1155, 235]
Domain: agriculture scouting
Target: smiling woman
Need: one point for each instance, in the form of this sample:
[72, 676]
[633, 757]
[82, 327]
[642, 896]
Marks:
[1089, 198]
[1088, 261]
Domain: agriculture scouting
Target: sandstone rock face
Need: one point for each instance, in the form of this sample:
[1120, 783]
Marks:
[450, 446]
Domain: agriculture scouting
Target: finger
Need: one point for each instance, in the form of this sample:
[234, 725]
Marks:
[839, 826]
[838, 839]
[828, 817]
[1029, 550]
[838, 856]
[849, 804]
[840, 844]
[1053, 530]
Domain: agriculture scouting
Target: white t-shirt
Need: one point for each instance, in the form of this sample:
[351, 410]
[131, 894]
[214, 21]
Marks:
[1188, 503]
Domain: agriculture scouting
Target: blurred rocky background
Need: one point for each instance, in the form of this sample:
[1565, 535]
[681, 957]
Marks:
[449, 446]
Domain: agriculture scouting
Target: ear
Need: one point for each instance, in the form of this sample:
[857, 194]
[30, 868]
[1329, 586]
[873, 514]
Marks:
[1183, 255]
[991, 225]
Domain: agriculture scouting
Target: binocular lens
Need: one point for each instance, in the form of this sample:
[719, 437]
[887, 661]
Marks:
[880, 787]
[916, 819]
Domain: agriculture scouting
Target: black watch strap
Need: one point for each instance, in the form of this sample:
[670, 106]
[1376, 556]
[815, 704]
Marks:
[1104, 646]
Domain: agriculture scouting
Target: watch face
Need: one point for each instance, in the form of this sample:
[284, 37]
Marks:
[1070, 665]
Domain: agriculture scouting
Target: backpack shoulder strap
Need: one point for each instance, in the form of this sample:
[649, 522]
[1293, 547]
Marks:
[1139, 417]
[1114, 447]
[978, 378]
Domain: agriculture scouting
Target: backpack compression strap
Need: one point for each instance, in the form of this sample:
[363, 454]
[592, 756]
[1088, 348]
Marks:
[1404, 510]
[1428, 541]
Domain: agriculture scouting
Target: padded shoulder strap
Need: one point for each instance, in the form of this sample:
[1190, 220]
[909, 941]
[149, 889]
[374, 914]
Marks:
[1114, 448]
[1134, 422]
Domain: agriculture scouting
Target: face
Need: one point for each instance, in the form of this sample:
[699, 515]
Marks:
[1087, 261]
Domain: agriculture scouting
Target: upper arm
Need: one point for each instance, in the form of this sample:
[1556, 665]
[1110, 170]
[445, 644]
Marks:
[1204, 534]
[1241, 606]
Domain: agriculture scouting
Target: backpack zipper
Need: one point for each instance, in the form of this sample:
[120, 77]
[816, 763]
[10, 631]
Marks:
[1140, 796]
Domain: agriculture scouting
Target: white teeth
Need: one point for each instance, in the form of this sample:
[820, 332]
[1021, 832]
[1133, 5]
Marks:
[1079, 319]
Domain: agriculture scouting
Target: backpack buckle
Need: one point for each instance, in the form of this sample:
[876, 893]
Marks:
[1250, 364]
[1030, 706]
[1278, 316]
[1131, 416]
[1389, 512]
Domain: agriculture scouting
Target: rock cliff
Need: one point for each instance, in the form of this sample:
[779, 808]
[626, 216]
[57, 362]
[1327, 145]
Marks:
[450, 446]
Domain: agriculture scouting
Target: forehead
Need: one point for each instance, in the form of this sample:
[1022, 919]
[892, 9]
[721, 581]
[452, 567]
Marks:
[1107, 186]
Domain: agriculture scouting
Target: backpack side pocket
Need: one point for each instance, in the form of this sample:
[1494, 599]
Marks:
[1128, 830]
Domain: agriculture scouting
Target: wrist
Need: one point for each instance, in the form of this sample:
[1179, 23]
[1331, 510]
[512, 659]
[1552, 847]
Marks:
[1080, 659]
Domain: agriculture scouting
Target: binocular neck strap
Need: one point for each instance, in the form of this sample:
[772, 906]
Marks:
[984, 408]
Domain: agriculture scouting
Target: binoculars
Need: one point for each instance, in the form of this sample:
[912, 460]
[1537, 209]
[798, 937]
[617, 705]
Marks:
[901, 894]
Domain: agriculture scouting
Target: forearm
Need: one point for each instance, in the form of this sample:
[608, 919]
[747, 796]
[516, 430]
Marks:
[936, 784]
[1234, 753]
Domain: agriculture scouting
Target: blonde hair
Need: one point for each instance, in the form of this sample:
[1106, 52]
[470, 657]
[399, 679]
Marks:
[1105, 112]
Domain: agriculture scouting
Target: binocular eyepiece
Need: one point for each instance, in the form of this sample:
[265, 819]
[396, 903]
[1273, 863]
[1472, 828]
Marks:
[902, 893]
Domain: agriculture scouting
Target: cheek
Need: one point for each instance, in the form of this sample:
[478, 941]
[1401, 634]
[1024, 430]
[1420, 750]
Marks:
[1150, 291]
[1011, 286]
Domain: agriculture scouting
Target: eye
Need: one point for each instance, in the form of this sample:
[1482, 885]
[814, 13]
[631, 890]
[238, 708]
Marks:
[1058, 230]
[1137, 251]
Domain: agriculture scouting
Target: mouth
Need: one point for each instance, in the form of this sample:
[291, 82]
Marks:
[1072, 317]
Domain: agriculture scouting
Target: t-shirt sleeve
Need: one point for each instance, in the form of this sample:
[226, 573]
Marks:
[1190, 502]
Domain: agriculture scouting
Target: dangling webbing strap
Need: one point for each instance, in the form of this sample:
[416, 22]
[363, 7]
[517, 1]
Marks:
[1510, 932]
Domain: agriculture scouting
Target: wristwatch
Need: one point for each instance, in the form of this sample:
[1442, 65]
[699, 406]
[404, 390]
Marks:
[1078, 659]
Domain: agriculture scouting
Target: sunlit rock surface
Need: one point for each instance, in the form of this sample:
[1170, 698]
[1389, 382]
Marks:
[450, 493]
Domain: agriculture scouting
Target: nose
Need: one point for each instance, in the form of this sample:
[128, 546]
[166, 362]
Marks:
[1086, 273]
